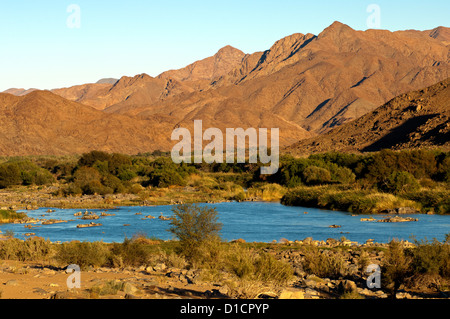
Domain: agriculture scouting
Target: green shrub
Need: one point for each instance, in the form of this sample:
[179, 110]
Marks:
[324, 263]
[89, 159]
[396, 268]
[132, 252]
[96, 187]
[85, 175]
[113, 183]
[431, 258]
[9, 175]
[437, 200]
[399, 182]
[23, 173]
[313, 175]
[165, 178]
[302, 196]
[194, 226]
[83, 254]
[31, 249]
[342, 175]
[8, 215]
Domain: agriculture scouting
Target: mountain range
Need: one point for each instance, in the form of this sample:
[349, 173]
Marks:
[306, 85]
[412, 120]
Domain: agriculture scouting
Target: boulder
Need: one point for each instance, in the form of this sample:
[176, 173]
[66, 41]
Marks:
[160, 267]
[129, 288]
[346, 286]
[292, 293]
[400, 211]
[398, 219]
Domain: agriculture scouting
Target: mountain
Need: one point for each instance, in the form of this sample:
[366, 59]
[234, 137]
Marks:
[304, 84]
[143, 89]
[441, 34]
[316, 82]
[107, 81]
[322, 81]
[416, 119]
[44, 123]
[209, 69]
[19, 92]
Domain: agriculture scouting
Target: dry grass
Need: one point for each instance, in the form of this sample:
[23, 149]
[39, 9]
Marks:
[266, 192]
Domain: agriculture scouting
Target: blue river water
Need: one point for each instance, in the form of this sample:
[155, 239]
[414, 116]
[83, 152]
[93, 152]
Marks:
[251, 221]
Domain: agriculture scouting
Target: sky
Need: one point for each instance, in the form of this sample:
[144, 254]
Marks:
[57, 43]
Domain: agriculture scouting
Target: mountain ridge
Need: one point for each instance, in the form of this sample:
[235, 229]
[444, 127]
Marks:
[415, 119]
[304, 84]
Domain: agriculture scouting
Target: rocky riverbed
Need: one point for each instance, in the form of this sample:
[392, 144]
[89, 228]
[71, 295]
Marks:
[31, 280]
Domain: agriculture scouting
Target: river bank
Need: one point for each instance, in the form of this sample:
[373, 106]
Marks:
[34, 197]
[162, 274]
[328, 198]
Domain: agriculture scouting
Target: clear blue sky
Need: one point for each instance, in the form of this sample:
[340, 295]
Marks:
[119, 38]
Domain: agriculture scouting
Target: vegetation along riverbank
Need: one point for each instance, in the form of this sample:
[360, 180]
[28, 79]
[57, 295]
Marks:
[380, 182]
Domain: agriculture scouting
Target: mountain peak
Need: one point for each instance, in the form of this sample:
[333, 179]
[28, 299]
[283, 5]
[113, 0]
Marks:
[228, 49]
[107, 81]
[19, 92]
[336, 28]
[441, 34]
[126, 80]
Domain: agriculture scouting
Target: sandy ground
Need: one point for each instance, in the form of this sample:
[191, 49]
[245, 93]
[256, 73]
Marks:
[21, 280]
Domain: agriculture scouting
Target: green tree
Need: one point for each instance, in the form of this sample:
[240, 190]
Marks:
[313, 175]
[195, 227]
[396, 268]
[399, 182]
[85, 175]
[9, 175]
[88, 159]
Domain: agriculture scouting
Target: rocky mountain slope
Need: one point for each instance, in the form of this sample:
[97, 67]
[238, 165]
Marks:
[305, 85]
[415, 119]
[44, 123]
[316, 82]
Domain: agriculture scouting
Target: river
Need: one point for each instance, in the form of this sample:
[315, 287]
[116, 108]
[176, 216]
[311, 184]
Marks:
[251, 221]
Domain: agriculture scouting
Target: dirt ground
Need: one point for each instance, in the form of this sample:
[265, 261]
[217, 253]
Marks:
[21, 280]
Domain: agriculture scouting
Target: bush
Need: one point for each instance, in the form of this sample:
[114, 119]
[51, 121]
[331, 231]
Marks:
[324, 264]
[83, 254]
[85, 175]
[23, 172]
[165, 178]
[9, 175]
[256, 272]
[443, 173]
[88, 180]
[342, 175]
[396, 268]
[399, 182]
[431, 259]
[9, 215]
[89, 159]
[95, 187]
[108, 287]
[419, 163]
[340, 198]
[270, 270]
[194, 226]
[302, 196]
[437, 200]
[132, 252]
[32, 249]
[114, 183]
